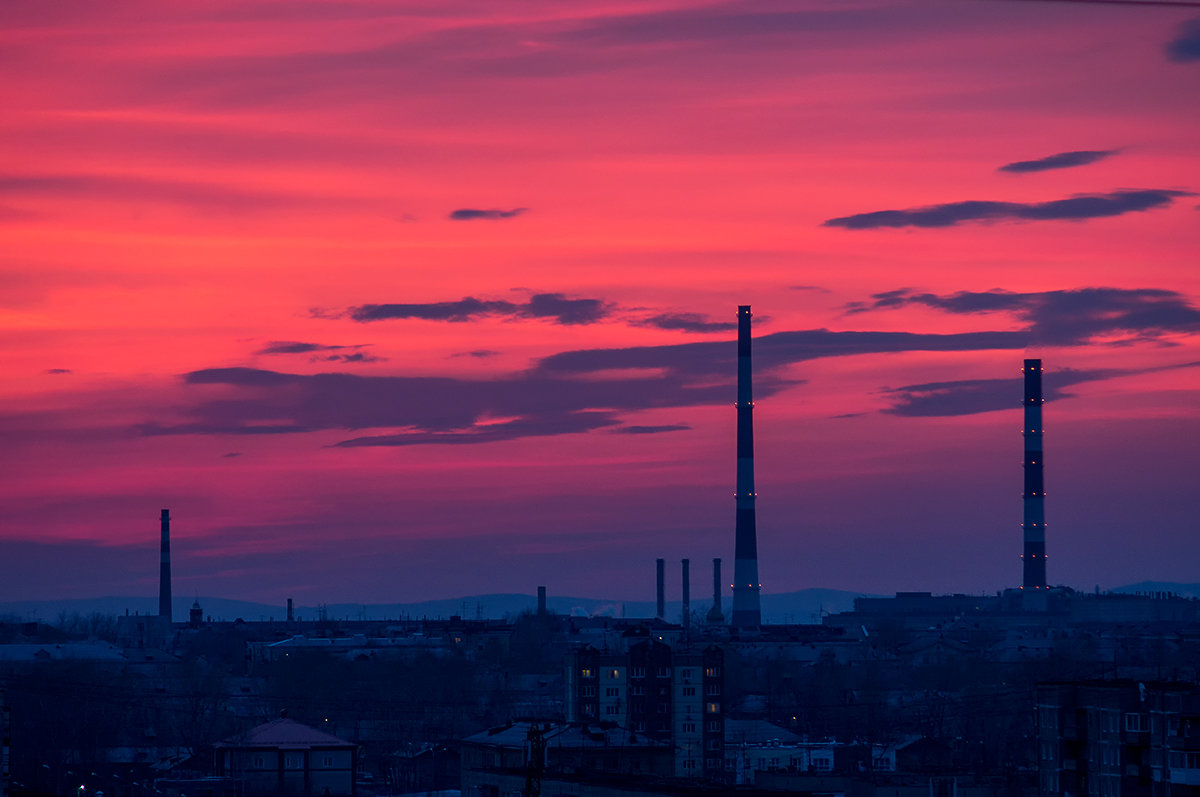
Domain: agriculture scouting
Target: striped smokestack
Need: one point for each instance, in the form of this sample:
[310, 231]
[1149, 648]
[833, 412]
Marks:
[1034, 555]
[164, 568]
[661, 567]
[746, 611]
[715, 615]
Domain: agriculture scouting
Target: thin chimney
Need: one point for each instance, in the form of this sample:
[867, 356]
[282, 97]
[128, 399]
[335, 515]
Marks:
[746, 610]
[164, 569]
[715, 615]
[541, 602]
[687, 594]
[661, 565]
[291, 611]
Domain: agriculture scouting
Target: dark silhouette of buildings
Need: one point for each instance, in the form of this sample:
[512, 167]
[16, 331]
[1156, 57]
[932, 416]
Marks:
[673, 695]
[1120, 737]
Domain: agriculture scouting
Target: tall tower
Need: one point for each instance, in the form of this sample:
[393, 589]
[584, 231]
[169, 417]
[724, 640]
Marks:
[1034, 555]
[746, 612]
[164, 569]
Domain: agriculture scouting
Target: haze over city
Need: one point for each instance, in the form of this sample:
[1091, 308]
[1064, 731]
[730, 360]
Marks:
[391, 302]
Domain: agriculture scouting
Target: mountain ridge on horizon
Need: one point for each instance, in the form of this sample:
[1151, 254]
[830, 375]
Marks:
[805, 605]
[799, 606]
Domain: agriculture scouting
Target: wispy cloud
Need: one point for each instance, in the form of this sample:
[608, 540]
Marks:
[686, 322]
[533, 426]
[562, 394]
[211, 197]
[293, 347]
[428, 410]
[347, 354]
[555, 306]
[1186, 45]
[667, 427]
[479, 354]
[973, 396]
[591, 389]
[1062, 160]
[1066, 317]
[474, 214]
[1077, 208]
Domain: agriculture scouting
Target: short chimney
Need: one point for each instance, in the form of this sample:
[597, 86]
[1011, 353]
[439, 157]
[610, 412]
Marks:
[687, 595]
[662, 588]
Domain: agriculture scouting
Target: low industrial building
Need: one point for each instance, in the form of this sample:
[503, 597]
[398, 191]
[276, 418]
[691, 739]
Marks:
[287, 757]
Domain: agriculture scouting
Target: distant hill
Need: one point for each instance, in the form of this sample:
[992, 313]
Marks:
[803, 606]
[1175, 587]
[217, 608]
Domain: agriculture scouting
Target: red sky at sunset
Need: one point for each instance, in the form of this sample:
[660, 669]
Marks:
[390, 301]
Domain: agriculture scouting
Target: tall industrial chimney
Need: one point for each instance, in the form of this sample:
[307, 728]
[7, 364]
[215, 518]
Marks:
[662, 588]
[541, 602]
[291, 611]
[746, 611]
[1034, 554]
[715, 615]
[164, 569]
[687, 594]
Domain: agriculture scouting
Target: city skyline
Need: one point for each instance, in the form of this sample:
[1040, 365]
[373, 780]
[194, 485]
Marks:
[389, 302]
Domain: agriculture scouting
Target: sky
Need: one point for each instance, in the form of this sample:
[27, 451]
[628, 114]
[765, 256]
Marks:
[391, 301]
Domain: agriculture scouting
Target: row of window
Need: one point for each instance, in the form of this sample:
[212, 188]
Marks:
[711, 763]
[292, 761]
[1181, 760]
[818, 764]
[614, 674]
[712, 690]
[1107, 721]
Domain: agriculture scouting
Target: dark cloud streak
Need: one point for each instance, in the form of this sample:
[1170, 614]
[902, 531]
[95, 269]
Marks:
[1067, 317]
[1186, 46]
[555, 306]
[974, 396]
[686, 322]
[492, 214]
[584, 390]
[1062, 160]
[1076, 208]
[668, 427]
[120, 188]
